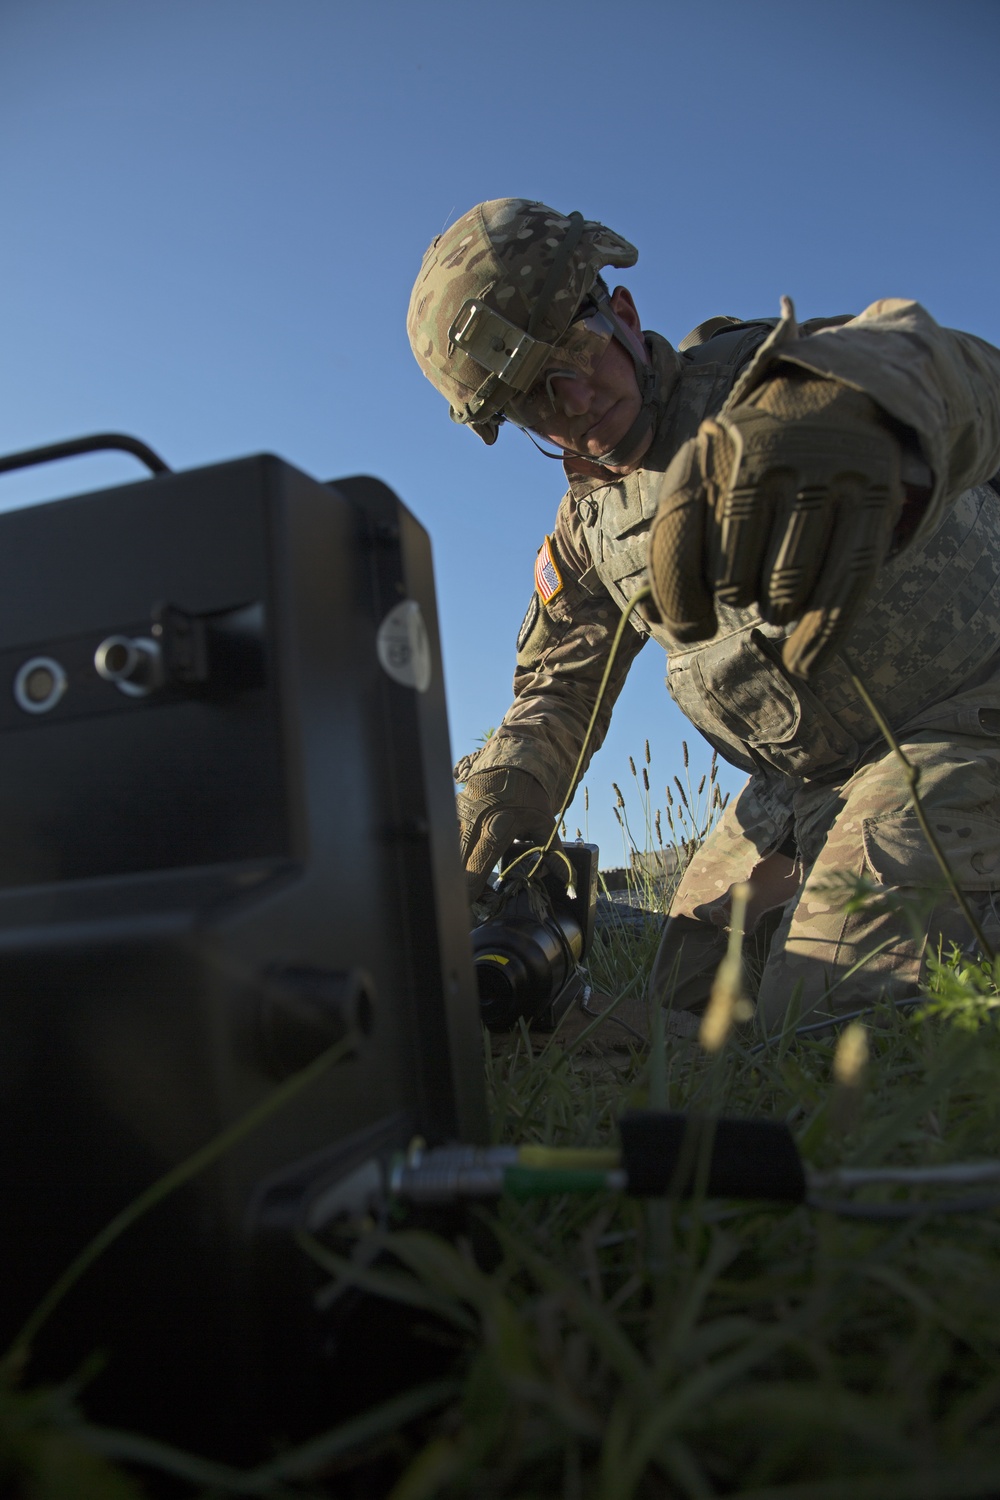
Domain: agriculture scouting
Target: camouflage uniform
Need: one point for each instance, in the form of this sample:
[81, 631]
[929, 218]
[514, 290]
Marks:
[821, 783]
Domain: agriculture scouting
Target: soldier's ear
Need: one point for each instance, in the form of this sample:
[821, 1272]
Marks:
[625, 310]
[621, 301]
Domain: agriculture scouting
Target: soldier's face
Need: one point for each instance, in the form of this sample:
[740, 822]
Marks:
[590, 414]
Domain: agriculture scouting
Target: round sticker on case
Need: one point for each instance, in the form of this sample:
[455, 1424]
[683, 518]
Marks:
[403, 648]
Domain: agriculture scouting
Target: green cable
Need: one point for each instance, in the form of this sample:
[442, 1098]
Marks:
[543, 1182]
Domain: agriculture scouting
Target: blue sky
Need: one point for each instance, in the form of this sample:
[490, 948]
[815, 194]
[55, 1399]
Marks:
[214, 211]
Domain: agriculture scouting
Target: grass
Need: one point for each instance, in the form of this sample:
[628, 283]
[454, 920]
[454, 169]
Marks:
[623, 1349]
[616, 1349]
[689, 812]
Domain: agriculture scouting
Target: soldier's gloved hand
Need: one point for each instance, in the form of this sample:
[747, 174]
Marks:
[496, 808]
[787, 502]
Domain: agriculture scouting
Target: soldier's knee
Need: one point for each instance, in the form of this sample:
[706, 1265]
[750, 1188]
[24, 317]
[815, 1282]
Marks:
[686, 960]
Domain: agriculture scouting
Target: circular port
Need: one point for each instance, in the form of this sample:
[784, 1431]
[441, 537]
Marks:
[39, 684]
[133, 665]
[115, 659]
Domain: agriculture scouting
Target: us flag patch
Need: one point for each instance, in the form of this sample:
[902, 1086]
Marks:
[548, 580]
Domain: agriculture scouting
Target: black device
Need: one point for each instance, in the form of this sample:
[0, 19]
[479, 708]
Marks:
[528, 951]
[228, 839]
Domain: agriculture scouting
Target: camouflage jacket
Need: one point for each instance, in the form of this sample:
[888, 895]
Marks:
[926, 644]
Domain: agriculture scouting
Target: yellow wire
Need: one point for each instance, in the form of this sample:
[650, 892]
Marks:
[569, 1157]
[542, 850]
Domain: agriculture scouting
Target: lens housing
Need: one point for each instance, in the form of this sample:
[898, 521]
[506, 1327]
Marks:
[522, 963]
[527, 955]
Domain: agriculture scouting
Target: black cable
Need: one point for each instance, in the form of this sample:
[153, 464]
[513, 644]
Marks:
[852, 1015]
[848, 1210]
[97, 442]
[608, 1015]
[832, 1022]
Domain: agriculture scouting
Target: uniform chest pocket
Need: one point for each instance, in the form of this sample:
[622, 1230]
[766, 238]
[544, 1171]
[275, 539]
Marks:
[623, 572]
[742, 684]
[752, 698]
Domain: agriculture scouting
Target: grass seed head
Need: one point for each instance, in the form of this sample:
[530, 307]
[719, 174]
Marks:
[851, 1057]
[728, 1001]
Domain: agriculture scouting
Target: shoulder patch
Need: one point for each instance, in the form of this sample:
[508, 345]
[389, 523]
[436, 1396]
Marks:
[548, 579]
[528, 623]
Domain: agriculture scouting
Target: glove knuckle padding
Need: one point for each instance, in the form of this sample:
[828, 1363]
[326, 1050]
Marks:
[740, 519]
[675, 558]
[860, 536]
[809, 513]
[492, 832]
[498, 806]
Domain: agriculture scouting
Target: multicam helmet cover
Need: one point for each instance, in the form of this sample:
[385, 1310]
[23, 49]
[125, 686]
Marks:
[492, 307]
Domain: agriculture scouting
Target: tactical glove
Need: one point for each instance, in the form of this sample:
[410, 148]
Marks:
[496, 808]
[787, 502]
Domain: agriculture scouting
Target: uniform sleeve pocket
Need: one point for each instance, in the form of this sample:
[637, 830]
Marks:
[536, 635]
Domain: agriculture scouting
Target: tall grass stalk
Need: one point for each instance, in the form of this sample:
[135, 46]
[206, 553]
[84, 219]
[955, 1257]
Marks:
[692, 1349]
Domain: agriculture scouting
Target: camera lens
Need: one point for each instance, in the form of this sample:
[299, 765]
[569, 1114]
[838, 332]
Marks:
[504, 988]
[522, 962]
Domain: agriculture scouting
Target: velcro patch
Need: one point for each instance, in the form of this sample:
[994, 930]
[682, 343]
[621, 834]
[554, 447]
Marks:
[528, 623]
[548, 579]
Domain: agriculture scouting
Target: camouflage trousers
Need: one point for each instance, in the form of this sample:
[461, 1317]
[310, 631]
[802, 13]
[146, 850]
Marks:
[854, 913]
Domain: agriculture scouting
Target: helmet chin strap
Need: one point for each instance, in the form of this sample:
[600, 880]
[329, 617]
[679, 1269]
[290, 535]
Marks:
[648, 385]
[622, 452]
[645, 419]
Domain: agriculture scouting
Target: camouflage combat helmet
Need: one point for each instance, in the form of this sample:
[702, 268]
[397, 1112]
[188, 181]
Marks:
[495, 298]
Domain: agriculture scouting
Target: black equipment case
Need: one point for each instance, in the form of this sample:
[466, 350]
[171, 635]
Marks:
[227, 839]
